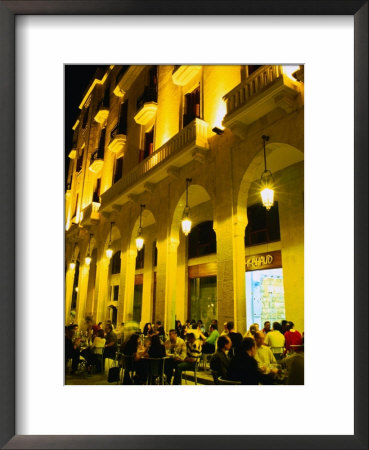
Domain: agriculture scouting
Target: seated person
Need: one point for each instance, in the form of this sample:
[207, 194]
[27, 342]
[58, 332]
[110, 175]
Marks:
[235, 337]
[252, 330]
[295, 366]
[209, 344]
[193, 355]
[111, 342]
[264, 356]
[71, 348]
[275, 340]
[95, 349]
[177, 350]
[219, 362]
[156, 349]
[292, 336]
[244, 367]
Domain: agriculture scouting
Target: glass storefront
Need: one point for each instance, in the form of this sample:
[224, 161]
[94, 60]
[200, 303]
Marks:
[264, 296]
[203, 299]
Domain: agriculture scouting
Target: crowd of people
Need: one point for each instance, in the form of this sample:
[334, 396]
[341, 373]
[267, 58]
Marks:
[255, 358]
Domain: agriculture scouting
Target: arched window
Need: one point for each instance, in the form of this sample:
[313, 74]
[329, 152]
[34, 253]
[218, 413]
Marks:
[202, 240]
[263, 225]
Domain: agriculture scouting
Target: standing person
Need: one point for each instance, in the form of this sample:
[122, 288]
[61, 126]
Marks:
[176, 349]
[156, 349]
[71, 348]
[148, 329]
[220, 361]
[235, 337]
[284, 326]
[200, 326]
[244, 367]
[210, 342]
[193, 355]
[225, 329]
[252, 330]
[264, 355]
[130, 327]
[111, 342]
[178, 327]
[275, 340]
[266, 328]
[135, 363]
[292, 336]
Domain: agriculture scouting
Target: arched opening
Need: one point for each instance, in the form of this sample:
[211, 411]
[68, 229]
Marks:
[202, 240]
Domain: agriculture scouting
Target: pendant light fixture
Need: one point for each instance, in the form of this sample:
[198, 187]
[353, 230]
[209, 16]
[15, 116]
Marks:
[88, 257]
[266, 181]
[186, 221]
[139, 238]
[109, 250]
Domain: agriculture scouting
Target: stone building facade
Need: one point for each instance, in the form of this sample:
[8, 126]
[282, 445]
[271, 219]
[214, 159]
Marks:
[142, 131]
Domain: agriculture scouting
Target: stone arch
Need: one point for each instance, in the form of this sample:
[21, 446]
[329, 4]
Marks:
[279, 156]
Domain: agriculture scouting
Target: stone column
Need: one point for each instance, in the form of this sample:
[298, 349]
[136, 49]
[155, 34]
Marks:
[130, 258]
[69, 280]
[82, 294]
[148, 277]
[102, 290]
[171, 285]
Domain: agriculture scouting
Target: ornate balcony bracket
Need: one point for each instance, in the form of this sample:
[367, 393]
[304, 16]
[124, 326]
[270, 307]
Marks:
[102, 115]
[183, 75]
[127, 80]
[117, 207]
[149, 187]
[91, 214]
[134, 198]
[97, 166]
[118, 144]
[72, 153]
[146, 113]
[173, 172]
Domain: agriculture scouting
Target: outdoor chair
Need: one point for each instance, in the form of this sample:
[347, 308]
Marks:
[224, 381]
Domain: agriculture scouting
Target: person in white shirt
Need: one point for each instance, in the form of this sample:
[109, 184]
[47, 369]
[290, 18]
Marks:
[275, 340]
[264, 355]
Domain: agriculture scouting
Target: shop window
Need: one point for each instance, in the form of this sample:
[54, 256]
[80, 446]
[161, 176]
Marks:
[191, 106]
[202, 240]
[263, 225]
[148, 145]
[140, 258]
[115, 263]
[118, 169]
[137, 298]
[203, 299]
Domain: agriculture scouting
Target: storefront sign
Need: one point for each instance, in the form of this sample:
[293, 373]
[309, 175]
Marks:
[270, 260]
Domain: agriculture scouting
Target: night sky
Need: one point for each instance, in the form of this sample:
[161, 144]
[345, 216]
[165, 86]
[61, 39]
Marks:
[77, 77]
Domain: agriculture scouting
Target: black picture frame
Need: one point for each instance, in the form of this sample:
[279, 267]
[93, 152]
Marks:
[8, 11]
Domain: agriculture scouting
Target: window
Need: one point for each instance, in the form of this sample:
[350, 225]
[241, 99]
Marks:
[96, 194]
[154, 254]
[202, 240]
[140, 258]
[263, 225]
[79, 162]
[115, 263]
[118, 169]
[99, 153]
[252, 69]
[192, 106]
[148, 145]
[85, 118]
[105, 102]
[115, 293]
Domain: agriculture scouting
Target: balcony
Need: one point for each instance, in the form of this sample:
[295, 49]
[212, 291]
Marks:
[146, 106]
[183, 75]
[126, 78]
[97, 162]
[189, 144]
[267, 89]
[118, 140]
[90, 215]
[73, 153]
[102, 113]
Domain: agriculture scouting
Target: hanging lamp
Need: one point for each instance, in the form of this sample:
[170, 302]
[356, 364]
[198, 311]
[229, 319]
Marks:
[186, 220]
[266, 181]
[88, 257]
[139, 238]
[109, 250]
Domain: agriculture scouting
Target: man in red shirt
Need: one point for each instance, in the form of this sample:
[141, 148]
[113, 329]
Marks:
[292, 337]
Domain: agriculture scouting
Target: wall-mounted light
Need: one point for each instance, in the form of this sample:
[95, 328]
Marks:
[139, 238]
[217, 131]
[88, 257]
[186, 221]
[266, 181]
[109, 250]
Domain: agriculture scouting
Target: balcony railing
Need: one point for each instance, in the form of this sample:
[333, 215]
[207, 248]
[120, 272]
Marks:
[253, 85]
[264, 90]
[181, 149]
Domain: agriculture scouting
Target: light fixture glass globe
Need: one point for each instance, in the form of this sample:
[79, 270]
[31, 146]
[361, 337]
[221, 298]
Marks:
[267, 197]
[88, 260]
[72, 265]
[186, 226]
[139, 242]
[109, 253]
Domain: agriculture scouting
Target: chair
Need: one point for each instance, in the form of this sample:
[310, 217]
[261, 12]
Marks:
[194, 370]
[224, 381]
[155, 370]
[204, 358]
[215, 376]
